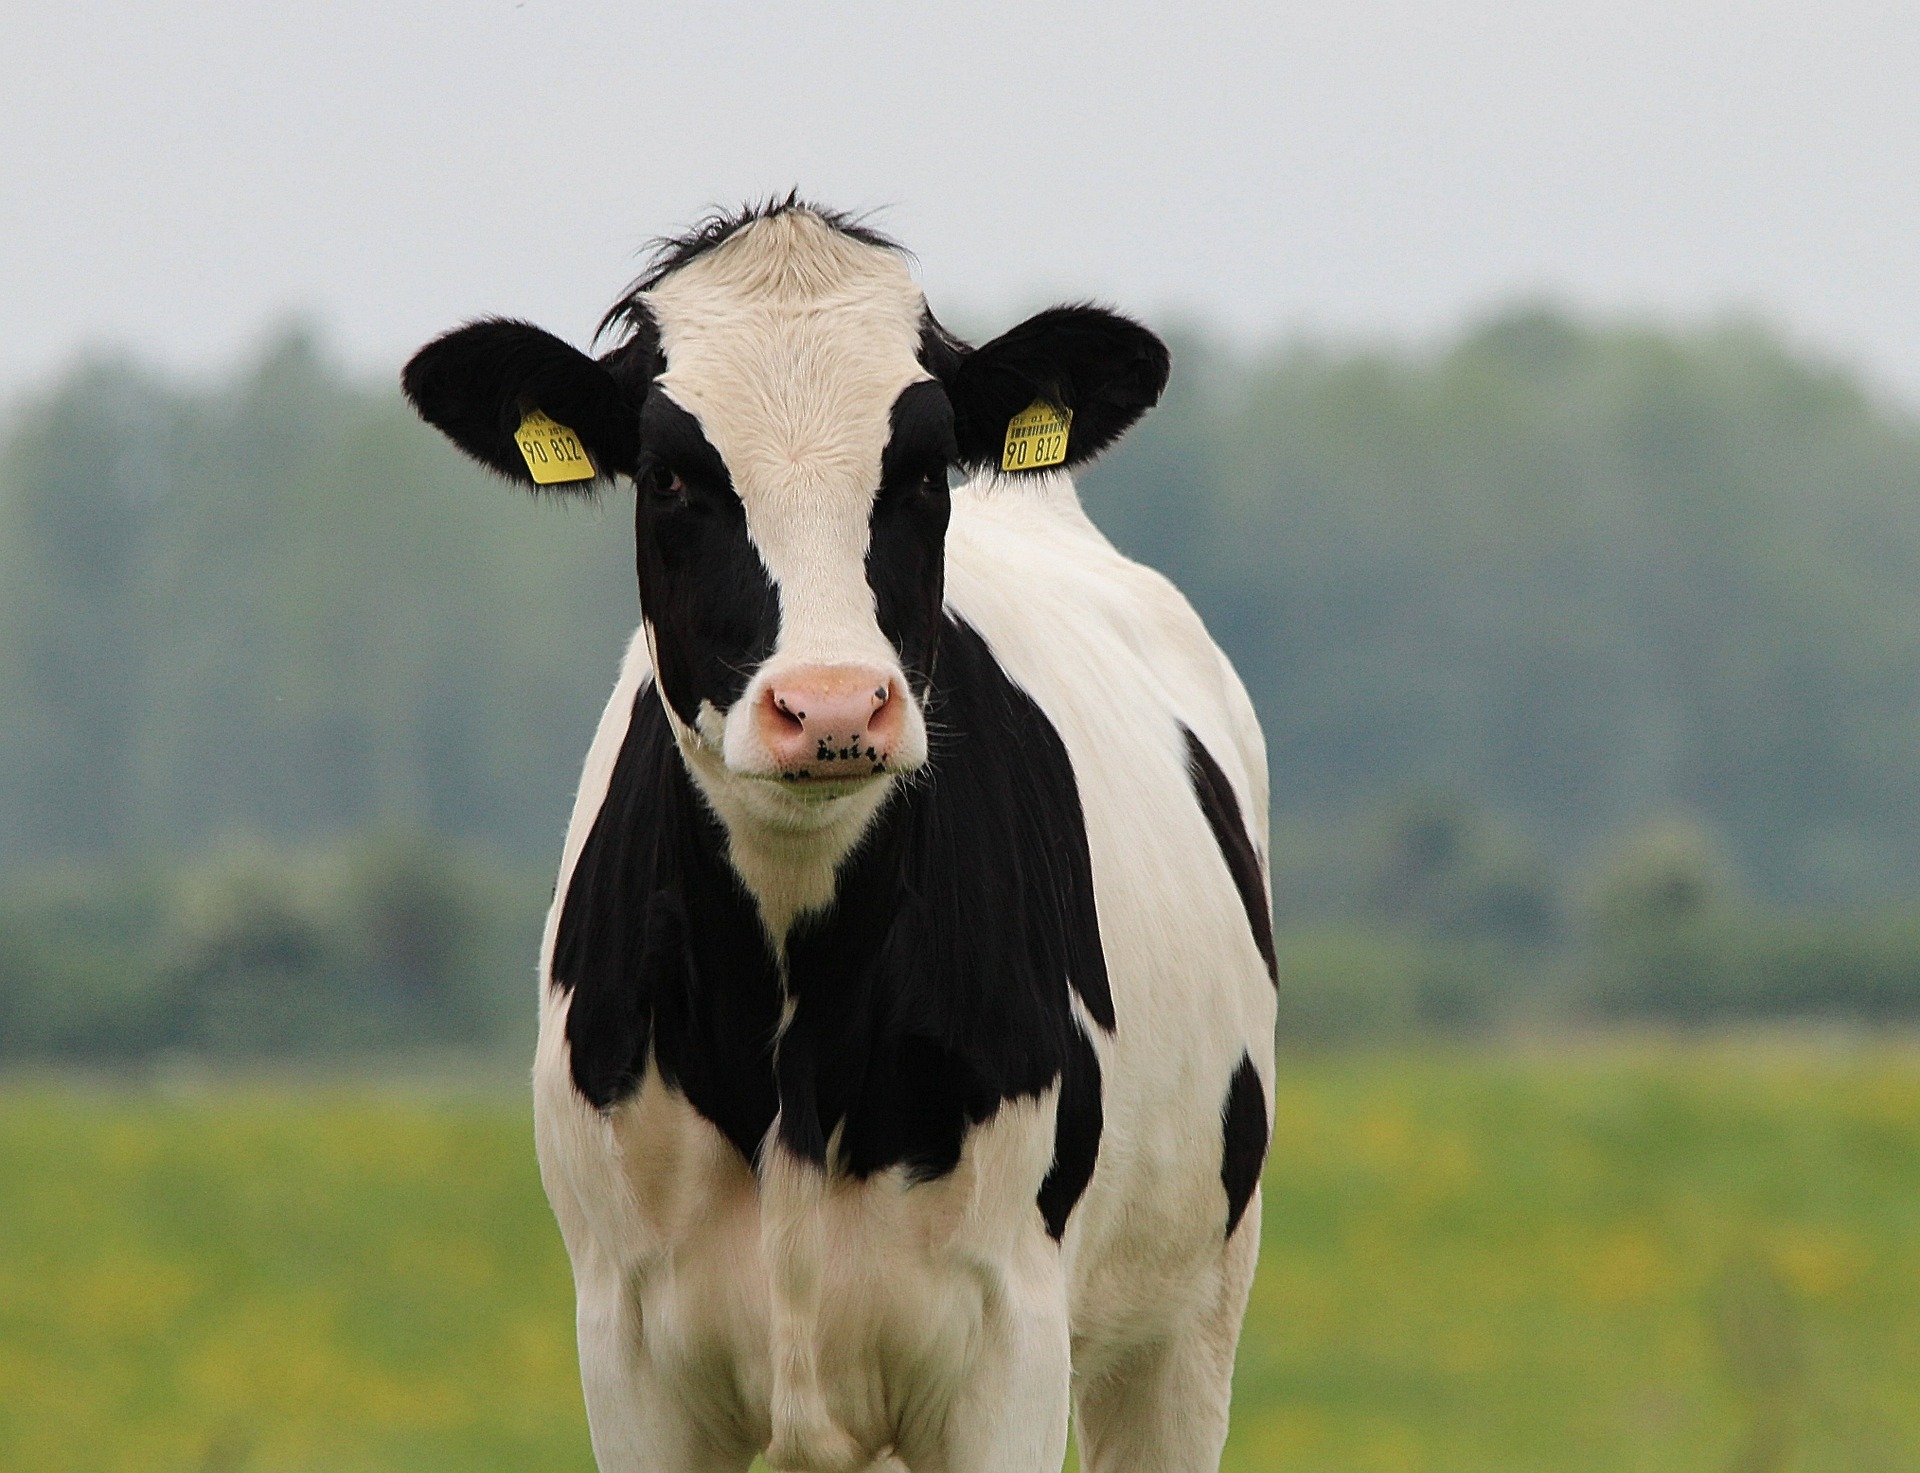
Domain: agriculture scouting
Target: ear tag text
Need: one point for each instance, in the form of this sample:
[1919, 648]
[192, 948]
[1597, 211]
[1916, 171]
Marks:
[1036, 437]
[553, 452]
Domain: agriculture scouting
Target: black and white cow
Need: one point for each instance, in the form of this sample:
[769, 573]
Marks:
[907, 999]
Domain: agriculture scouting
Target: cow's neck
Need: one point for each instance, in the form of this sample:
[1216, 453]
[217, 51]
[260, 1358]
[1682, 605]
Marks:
[959, 966]
[788, 858]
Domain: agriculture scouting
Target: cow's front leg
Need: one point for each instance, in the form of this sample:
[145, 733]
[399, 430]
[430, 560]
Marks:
[1164, 1410]
[1011, 1414]
[644, 1416]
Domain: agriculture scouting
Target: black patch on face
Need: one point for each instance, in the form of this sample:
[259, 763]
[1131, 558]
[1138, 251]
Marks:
[933, 991]
[1215, 795]
[940, 351]
[714, 610]
[906, 535]
[634, 363]
[1243, 1122]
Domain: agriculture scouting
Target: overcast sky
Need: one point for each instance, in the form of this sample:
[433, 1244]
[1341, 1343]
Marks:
[175, 178]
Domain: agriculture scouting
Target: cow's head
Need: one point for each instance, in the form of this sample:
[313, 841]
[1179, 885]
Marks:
[789, 411]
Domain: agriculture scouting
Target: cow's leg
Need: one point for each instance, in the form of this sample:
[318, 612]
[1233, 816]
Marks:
[1011, 1416]
[640, 1417]
[1165, 1409]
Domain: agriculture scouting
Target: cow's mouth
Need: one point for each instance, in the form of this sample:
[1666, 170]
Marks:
[827, 780]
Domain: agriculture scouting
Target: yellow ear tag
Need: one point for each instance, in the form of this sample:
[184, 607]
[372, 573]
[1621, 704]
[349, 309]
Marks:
[1036, 437]
[554, 453]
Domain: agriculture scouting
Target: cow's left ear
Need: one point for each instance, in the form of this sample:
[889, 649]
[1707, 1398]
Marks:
[1107, 370]
[478, 384]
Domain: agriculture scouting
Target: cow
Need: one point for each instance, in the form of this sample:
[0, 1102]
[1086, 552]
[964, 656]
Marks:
[907, 998]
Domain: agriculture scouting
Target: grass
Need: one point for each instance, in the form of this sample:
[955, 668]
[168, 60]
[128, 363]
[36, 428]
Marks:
[1647, 1259]
[1623, 1257]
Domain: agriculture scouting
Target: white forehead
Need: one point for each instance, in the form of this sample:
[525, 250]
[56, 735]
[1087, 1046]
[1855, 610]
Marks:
[791, 341]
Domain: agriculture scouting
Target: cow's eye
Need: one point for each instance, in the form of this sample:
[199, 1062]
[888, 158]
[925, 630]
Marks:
[928, 483]
[664, 485]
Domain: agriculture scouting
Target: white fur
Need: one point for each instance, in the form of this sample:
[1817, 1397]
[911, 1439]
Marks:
[842, 1325]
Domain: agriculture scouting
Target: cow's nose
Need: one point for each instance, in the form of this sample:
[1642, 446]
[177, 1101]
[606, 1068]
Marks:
[830, 721]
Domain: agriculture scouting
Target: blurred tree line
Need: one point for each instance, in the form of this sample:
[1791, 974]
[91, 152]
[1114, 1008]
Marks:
[1587, 656]
[388, 942]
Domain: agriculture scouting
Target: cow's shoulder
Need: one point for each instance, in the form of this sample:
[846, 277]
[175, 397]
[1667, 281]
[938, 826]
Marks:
[1168, 759]
[657, 948]
[1108, 646]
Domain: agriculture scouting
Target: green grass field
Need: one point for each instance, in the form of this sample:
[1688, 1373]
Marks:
[1623, 1257]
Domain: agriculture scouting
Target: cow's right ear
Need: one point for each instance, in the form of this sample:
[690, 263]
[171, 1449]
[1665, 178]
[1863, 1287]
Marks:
[478, 383]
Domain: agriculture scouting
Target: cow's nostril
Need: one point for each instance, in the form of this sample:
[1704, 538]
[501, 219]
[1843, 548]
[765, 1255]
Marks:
[787, 712]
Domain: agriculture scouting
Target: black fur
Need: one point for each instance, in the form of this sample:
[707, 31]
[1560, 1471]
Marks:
[906, 535]
[714, 610]
[933, 991]
[636, 361]
[1077, 1121]
[478, 382]
[1215, 794]
[661, 948]
[940, 351]
[1107, 369]
[1243, 1129]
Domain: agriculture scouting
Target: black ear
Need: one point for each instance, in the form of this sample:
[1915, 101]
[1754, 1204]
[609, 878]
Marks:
[477, 383]
[1107, 369]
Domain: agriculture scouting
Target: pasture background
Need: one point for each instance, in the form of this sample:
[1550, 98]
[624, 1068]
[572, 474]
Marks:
[1610, 1256]
[1587, 653]
[1542, 447]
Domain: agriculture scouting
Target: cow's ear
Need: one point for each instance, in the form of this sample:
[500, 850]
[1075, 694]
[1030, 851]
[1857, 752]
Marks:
[1105, 369]
[478, 384]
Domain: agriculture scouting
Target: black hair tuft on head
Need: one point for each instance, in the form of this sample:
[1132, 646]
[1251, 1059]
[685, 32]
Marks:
[668, 253]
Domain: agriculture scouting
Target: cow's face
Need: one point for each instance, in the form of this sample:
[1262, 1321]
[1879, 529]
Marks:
[789, 412]
[793, 505]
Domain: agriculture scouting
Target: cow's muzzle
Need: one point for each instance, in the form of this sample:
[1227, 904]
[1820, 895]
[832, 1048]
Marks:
[830, 723]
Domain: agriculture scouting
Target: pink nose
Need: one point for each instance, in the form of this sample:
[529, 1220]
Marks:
[827, 721]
